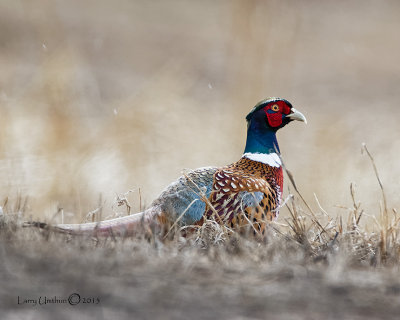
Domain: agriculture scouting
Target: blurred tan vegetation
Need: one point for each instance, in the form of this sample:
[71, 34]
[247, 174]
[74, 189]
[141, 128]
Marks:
[101, 97]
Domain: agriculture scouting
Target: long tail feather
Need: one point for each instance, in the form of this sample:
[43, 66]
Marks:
[149, 219]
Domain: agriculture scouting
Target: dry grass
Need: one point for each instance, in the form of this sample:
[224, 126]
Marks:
[310, 266]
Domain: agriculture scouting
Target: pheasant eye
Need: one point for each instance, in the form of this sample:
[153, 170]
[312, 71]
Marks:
[275, 108]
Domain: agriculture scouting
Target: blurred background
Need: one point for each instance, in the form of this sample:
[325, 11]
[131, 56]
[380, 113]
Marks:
[101, 97]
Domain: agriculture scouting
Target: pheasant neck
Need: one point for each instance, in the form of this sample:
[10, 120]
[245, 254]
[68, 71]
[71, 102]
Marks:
[261, 139]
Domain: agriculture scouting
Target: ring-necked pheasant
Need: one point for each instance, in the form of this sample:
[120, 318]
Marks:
[246, 192]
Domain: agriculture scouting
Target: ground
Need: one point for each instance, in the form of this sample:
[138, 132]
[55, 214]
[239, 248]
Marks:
[206, 275]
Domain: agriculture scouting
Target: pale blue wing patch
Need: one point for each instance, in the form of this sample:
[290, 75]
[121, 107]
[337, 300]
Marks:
[250, 199]
[184, 196]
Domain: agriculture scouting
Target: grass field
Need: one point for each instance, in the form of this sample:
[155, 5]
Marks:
[98, 98]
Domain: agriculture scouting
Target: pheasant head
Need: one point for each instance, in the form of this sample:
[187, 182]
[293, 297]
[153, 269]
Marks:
[264, 120]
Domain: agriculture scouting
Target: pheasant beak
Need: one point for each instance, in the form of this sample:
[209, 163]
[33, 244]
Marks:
[297, 115]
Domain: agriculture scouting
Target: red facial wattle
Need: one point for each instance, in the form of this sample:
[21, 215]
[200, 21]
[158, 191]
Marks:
[274, 112]
[274, 119]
